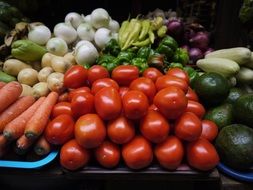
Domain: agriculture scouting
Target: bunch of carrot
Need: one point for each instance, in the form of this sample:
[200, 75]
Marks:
[23, 119]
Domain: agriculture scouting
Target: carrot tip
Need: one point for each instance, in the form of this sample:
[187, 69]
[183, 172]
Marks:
[30, 135]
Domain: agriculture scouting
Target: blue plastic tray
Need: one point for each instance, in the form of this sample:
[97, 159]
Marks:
[30, 165]
[239, 175]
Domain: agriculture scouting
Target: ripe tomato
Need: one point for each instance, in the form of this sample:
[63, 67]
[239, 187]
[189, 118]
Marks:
[63, 97]
[171, 102]
[145, 85]
[108, 154]
[97, 72]
[152, 73]
[154, 127]
[101, 83]
[202, 155]
[60, 129]
[82, 104]
[188, 127]
[179, 73]
[170, 153]
[135, 104]
[73, 156]
[209, 130]
[75, 77]
[138, 153]
[123, 90]
[167, 81]
[191, 95]
[196, 108]
[90, 131]
[125, 74]
[108, 103]
[153, 107]
[120, 130]
[61, 108]
[78, 91]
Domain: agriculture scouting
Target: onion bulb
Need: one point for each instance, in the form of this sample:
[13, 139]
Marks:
[66, 32]
[86, 54]
[100, 18]
[86, 32]
[39, 34]
[74, 19]
[102, 37]
[57, 46]
[113, 26]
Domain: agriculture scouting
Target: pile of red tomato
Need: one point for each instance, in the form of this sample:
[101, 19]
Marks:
[136, 119]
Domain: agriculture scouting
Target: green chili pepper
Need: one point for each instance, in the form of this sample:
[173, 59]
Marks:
[151, 36]
[157, 23]
[109, 66]
[161, 32]
[128, 31]
[144, 52]
[170, 42]
[165, 50]
[193, 74]
[140, 63]
[122, 32]
[112, 48]
[145, 42]
[145, 24]
[104, 59]
[181, 56]
[125, 56]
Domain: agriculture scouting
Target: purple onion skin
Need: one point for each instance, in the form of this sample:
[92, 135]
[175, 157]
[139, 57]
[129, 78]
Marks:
[200, 40]
[209, 50]
[175, 28]
[186, 47]
[188, 34]
[195, 54]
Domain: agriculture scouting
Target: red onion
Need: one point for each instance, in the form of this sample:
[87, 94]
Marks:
[195, 54]
[175, 28]
[200, 40]
[209, 50]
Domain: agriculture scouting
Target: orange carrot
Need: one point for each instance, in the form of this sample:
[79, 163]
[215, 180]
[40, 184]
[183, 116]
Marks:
[16, 127]
[42, 147]
[23, 144]
[15, 110]
[36, 125]
[9, 94]
[2, 84]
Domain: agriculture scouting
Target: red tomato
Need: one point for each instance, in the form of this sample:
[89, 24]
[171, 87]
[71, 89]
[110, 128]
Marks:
[108, 103]
[63, 97]
[153, 107]
[108, 154]
[120, 130]
[154, 127]
[61, 108]
[82, 104]
[188, 127]
[179, 73]
[152, 73]
[101, 83]
[90, 131]
[138, 153]
[75, 77]
[171, 102]
[167, 81]
[145, 85]
[123, 90]
[170, 153]
[78, 91]
[209, 130]
[202, 155]
[97, 72]
[125, 74]
[191, 95]
[60, 129]
[196, 108]
[135, 104]
[73, 156]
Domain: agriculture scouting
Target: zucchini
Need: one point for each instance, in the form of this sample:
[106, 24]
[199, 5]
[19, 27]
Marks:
[245, 76]
[240, 55]
[225, 67]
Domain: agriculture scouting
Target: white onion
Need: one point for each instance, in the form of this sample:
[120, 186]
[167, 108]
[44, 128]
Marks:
[66, 32]
[113, 26]
[102, 37]
[86, 54]
[87, 19]
[84, 42]
[100, 18]
[57, 46]
[86, 32]
[74, 19]
[39, 34]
